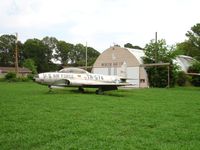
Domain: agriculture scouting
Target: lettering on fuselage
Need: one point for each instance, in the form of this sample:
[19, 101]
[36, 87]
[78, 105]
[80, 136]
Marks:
[57, 76]
[94, 77]
[73, 76]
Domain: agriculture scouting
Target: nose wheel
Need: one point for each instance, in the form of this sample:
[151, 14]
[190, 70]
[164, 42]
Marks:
[50, 88]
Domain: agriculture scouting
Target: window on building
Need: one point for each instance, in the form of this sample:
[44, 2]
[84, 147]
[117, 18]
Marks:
[142, 80]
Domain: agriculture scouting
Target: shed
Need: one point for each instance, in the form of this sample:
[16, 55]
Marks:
[184, 62]
[22, 71]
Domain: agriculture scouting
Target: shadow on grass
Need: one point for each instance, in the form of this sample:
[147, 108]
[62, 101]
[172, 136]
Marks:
[86, 92]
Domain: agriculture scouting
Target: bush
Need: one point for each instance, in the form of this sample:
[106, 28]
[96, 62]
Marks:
[22, 79]
[181, 78]
[11, 76]
[196, 81]
[30, 76]
[158, 76]
[195, 68]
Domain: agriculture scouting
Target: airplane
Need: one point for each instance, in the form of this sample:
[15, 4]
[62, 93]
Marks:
[76, 77]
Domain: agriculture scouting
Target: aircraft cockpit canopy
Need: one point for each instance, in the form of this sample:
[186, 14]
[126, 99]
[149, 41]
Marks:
[73, 70]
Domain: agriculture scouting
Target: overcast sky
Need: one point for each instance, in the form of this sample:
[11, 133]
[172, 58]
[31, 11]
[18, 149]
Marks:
[100, 23]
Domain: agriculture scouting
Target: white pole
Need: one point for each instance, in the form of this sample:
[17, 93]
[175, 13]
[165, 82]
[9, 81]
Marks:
[16, 56]
[86, 57]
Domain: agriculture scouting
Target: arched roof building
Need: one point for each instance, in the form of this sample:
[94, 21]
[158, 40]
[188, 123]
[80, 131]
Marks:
[184, 62]
[123, 62]
[126, 62]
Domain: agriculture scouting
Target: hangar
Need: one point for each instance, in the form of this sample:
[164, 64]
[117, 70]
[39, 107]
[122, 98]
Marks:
[123, 62]
[128, 62]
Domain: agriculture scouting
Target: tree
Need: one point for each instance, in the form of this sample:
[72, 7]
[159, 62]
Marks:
[42, 53]
[64, 52]
[80, 55]
[7, 47]
[92, 55]
[160, 53]
[39, 53]
[129, 45]
[52, 44]
[74, 55]
[30, 64]
[191, 46]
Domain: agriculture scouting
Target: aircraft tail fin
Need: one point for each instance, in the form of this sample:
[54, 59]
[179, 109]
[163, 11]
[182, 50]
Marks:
[123, 70]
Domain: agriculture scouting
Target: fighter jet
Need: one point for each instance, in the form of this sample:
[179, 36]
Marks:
[76, 77]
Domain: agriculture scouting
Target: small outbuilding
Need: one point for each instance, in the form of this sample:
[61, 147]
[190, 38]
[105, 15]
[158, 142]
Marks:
[127, 62]
[22, 71]
[184, 62]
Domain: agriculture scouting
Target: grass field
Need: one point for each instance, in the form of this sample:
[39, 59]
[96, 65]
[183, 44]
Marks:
[32, 118]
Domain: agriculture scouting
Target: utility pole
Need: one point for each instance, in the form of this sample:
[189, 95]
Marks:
[86, 57]
[156, 48]
[16, 56]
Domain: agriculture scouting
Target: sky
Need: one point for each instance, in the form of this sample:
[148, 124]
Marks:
[100, 23]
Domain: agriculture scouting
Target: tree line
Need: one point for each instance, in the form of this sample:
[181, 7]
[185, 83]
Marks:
[41, 55]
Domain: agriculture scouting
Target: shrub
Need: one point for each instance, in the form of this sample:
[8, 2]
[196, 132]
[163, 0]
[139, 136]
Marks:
[30, 76]
[195, 68]
[11, 76]
[158, 76]
[22, 79]
[195, 81]
[181, 78]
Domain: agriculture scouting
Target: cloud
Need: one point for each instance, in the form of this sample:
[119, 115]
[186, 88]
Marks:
[100, 22]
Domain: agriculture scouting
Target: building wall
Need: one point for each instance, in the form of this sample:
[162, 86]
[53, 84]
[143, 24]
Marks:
[110, 62]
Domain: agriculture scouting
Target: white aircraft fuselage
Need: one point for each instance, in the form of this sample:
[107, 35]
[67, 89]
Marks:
[74, 77]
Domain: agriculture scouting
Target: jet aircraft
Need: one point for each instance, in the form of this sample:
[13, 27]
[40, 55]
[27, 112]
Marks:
[76, 77]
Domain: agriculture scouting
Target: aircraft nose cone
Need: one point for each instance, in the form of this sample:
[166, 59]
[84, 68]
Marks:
[35, 78]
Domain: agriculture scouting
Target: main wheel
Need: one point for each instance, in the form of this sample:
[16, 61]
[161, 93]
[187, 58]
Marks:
[80, 89]
[99, 91]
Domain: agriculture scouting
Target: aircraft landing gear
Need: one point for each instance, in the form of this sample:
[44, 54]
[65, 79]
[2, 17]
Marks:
[50, 88]
[99, 91]
[80, 89]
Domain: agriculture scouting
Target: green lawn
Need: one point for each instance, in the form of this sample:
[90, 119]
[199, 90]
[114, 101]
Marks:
[32, 118]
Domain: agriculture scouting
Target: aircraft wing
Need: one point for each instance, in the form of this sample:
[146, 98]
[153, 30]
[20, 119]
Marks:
[98, 84]
[102, 86]
[86, 83]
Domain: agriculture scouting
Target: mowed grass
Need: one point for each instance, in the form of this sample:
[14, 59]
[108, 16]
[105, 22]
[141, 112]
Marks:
[32, 118]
